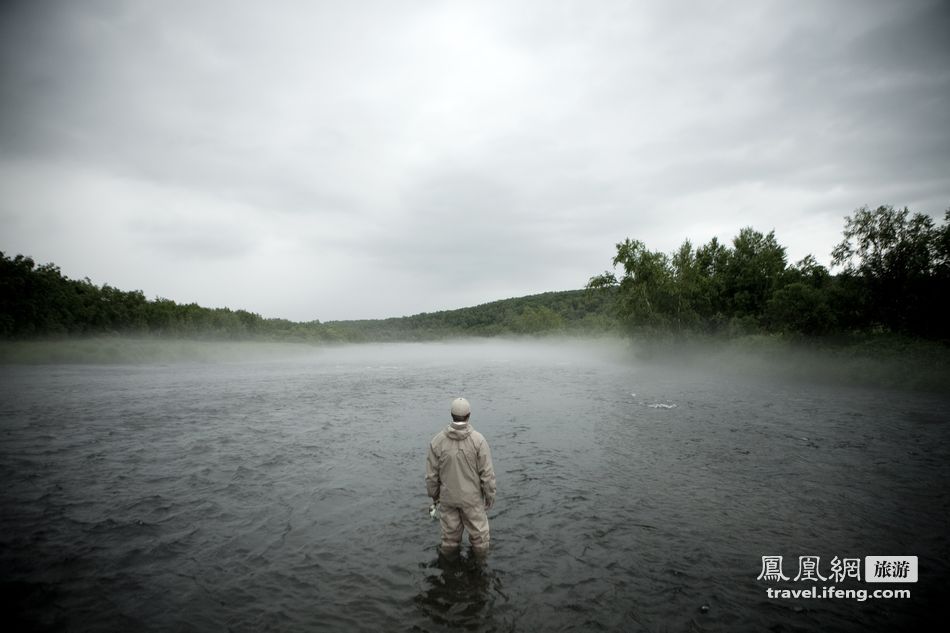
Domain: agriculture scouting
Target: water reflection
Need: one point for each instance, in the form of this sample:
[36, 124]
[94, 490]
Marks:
[460, 590]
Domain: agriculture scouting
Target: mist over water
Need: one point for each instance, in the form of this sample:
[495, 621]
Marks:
[285, 492]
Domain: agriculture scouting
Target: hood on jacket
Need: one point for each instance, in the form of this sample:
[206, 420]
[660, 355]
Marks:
[455, 433]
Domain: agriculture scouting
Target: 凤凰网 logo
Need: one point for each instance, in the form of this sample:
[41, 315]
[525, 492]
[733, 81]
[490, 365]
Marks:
[876, 569]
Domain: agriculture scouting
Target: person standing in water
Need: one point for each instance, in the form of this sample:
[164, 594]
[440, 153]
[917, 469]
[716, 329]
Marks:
[461, 479]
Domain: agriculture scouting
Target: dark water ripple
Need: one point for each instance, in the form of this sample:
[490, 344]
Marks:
[288, 496]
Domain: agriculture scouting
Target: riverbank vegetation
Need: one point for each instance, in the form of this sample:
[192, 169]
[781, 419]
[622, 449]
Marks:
[895, 280]
[38, 302]
[882, 319]
[886, 308]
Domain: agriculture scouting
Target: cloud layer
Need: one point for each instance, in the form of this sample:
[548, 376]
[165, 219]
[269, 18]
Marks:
[346, 160]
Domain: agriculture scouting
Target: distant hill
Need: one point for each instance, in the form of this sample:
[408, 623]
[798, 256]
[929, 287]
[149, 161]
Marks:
[38, 301]
[574, 311]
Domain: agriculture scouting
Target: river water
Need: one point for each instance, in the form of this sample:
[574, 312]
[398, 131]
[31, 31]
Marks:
[287, 494]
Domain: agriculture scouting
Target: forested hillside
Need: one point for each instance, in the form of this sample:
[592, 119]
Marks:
[570, 311]
[894, 279]
[39, 301]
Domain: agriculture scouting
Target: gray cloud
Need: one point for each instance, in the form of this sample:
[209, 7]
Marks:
[433, 155]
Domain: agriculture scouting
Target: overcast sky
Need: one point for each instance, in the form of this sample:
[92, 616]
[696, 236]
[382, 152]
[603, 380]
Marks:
[330, 160]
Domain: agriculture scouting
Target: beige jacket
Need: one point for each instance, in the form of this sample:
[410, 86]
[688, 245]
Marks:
[459, 471]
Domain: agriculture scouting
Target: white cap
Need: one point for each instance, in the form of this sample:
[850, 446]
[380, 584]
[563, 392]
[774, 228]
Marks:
[461, 407]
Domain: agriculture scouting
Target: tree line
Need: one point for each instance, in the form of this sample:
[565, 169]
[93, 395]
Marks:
[39, 301]
[569, 312]
[895, 277]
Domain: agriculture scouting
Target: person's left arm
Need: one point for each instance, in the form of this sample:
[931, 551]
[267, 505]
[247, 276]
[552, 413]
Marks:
[486, 473]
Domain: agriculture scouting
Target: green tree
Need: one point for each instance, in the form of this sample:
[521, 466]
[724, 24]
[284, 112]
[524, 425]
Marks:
[645, 291]
[901, 260]
[688, 287]
[753, 272]
[712, 260]
[800, 308]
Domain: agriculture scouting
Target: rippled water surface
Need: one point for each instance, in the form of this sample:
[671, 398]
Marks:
[288, 495]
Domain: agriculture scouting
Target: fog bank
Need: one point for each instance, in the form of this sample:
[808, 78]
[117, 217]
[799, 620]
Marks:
[906, 365]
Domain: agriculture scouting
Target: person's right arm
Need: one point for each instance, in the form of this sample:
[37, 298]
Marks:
[433, 483]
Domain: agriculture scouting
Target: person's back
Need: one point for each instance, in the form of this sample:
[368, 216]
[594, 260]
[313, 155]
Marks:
[461, 479]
